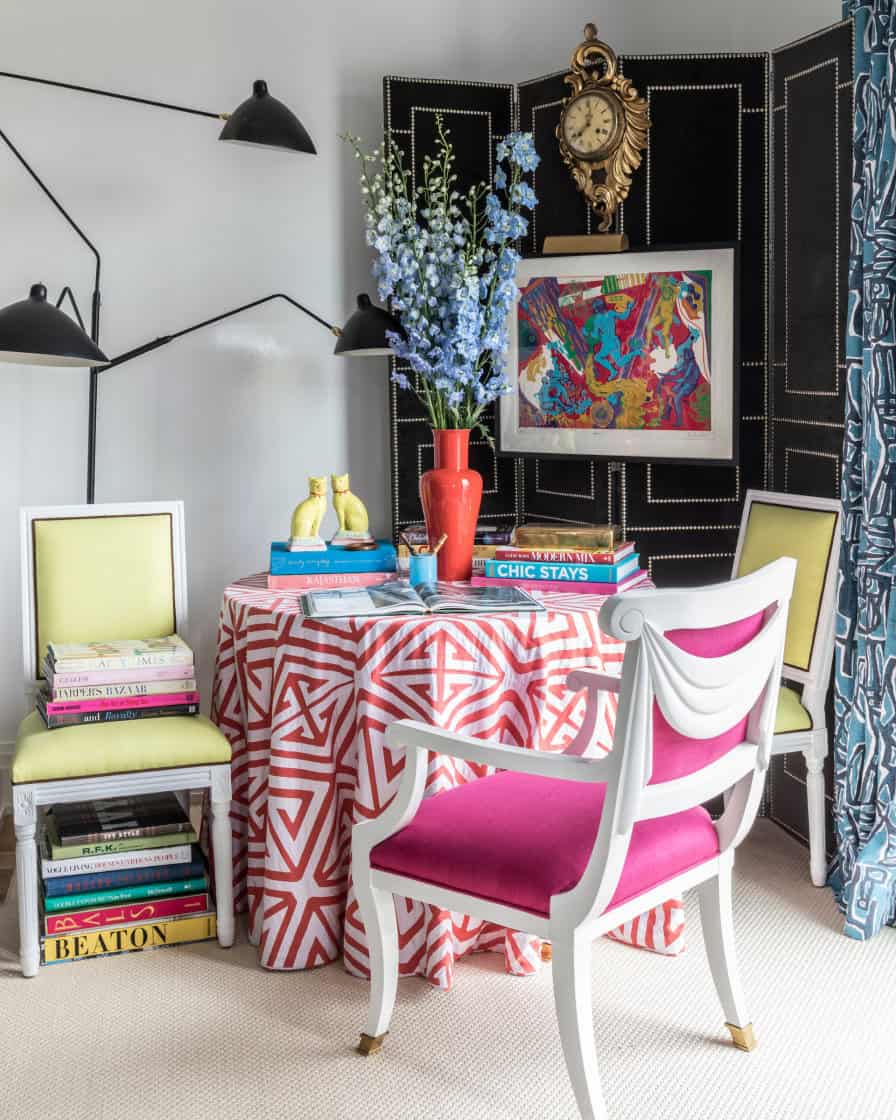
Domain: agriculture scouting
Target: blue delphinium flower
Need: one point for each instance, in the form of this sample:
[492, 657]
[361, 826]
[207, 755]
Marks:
[446, 263]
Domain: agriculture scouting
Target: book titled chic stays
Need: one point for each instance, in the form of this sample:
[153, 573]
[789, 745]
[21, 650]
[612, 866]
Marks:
[565, 572]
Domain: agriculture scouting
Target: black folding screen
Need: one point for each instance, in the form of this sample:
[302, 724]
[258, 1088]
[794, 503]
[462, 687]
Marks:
[749, 147]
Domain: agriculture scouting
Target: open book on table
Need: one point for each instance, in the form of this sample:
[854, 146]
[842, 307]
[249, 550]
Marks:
[398, 597]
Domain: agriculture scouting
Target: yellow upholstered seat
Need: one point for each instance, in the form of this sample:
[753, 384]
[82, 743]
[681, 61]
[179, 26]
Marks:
[86, 750]
[791, 715]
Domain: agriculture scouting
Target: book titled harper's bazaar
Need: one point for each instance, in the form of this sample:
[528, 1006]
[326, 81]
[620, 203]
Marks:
[126, 939]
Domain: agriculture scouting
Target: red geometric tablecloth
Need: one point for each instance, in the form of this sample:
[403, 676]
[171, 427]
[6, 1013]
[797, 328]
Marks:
[305, 705]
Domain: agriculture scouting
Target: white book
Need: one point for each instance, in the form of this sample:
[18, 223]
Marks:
[127, 690]
[114, 861]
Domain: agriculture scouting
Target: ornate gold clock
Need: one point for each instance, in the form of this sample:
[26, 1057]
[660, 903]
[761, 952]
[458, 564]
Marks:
[603, 127]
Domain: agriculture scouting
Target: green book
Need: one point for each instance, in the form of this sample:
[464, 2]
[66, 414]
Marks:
[124, 894]
[107, 847]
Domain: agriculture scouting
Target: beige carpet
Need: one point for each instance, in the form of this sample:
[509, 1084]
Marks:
[196, 1032]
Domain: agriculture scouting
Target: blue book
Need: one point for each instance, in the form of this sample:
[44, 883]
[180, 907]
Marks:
[563, 572]
[383, 558]
[129, 877]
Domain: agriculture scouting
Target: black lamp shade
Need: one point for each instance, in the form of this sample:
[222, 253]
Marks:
[364, 334]
[35, 333]
[262, 119]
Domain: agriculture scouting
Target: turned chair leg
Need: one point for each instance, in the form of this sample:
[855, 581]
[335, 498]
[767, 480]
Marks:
[25, 824]
[378, 915]
[818, 859]
[571, 973]
[717, 919]
[223, 855]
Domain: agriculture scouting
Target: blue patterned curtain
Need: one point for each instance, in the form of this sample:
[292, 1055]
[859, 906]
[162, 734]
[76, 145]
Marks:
[864, 871]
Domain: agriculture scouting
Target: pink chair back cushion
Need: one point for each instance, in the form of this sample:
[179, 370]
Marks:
[517, 839]
[675, 755]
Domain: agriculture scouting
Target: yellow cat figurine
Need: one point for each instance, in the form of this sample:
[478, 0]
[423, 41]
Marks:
[307, 516]
[350, 510]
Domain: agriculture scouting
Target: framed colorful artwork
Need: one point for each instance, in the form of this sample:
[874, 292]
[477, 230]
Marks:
[625, 356]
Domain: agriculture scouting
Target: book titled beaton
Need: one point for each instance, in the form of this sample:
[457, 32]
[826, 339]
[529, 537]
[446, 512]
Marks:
[119, 818]
[99, 880]
[333, 559]
[124, 939]
[129, 653]
[56, 903]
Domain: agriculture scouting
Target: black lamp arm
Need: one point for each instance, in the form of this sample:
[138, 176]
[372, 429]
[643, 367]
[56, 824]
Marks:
[66, 291]
[165, 339]
[116, 96]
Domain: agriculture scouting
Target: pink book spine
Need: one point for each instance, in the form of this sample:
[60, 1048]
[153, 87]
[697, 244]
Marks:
[121, 703]
[124, 676]
[151, 910]
[328, 579]
[562, 585]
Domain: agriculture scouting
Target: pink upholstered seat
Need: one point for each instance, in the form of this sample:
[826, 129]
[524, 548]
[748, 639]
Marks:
[517, 839]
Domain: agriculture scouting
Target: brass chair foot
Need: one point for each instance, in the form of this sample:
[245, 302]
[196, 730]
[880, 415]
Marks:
[742, 1037]
[547, 951]
[369, 1043]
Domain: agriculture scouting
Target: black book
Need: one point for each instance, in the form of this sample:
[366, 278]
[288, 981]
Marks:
[120, 818]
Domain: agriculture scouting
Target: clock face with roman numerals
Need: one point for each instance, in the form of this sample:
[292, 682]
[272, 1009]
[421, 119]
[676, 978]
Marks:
[592, 124]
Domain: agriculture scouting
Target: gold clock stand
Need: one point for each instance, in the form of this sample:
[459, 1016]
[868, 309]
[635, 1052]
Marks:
[585, 243]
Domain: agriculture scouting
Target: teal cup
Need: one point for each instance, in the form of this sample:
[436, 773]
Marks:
[423, 569]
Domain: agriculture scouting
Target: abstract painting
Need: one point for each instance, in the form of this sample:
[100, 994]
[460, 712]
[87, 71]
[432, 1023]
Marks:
[625, 355]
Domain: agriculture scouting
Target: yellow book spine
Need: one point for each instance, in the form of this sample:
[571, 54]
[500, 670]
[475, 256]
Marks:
[124, 939]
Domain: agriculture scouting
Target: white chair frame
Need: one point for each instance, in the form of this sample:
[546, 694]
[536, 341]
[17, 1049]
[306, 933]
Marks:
[29, 797]
[700, 698]
[815, 680]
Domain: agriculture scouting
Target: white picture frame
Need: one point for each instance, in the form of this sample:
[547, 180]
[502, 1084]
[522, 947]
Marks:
[716, 443]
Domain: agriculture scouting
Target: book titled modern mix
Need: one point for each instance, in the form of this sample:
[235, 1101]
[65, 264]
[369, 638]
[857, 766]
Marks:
[107, 682]
[121, 874]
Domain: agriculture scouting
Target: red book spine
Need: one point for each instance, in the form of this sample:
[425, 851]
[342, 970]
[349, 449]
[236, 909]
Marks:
[563, 556]
[328, 579]
[121, 703]
[149, 910]
[566, 586]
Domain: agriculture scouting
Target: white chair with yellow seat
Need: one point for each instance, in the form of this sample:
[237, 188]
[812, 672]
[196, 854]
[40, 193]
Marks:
[95, 573]
[807, 528]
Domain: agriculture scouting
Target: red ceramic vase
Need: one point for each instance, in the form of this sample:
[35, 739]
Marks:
[451, 494]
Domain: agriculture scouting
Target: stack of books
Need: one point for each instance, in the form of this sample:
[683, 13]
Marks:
[104, 682]
[589, 559]
[486, 543]
[121, 874]
[334, 566]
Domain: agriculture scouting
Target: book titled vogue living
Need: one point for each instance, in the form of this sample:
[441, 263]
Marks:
[398, 598]
[89, 881]
[113, 861]
[124, 939]
[130, 653]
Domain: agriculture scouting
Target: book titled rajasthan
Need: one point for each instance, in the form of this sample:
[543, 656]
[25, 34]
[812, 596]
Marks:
[566, 573]
[333, 559]
[558, 535]
[324, 579]
[151, 911]
[124, 939]
[125, 894]
[127, 654]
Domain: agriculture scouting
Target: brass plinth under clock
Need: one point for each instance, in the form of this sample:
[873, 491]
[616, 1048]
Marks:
[602, 133]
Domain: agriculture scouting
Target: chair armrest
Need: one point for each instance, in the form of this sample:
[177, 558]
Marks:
[547, 764]
[594, 683]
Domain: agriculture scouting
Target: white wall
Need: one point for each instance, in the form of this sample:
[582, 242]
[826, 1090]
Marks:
[234, 418]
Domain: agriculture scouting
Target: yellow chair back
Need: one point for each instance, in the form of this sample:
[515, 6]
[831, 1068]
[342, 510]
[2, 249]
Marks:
[775, 530]
[103, 577]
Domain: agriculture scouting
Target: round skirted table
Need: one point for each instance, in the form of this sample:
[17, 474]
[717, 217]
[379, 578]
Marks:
[306, 703]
